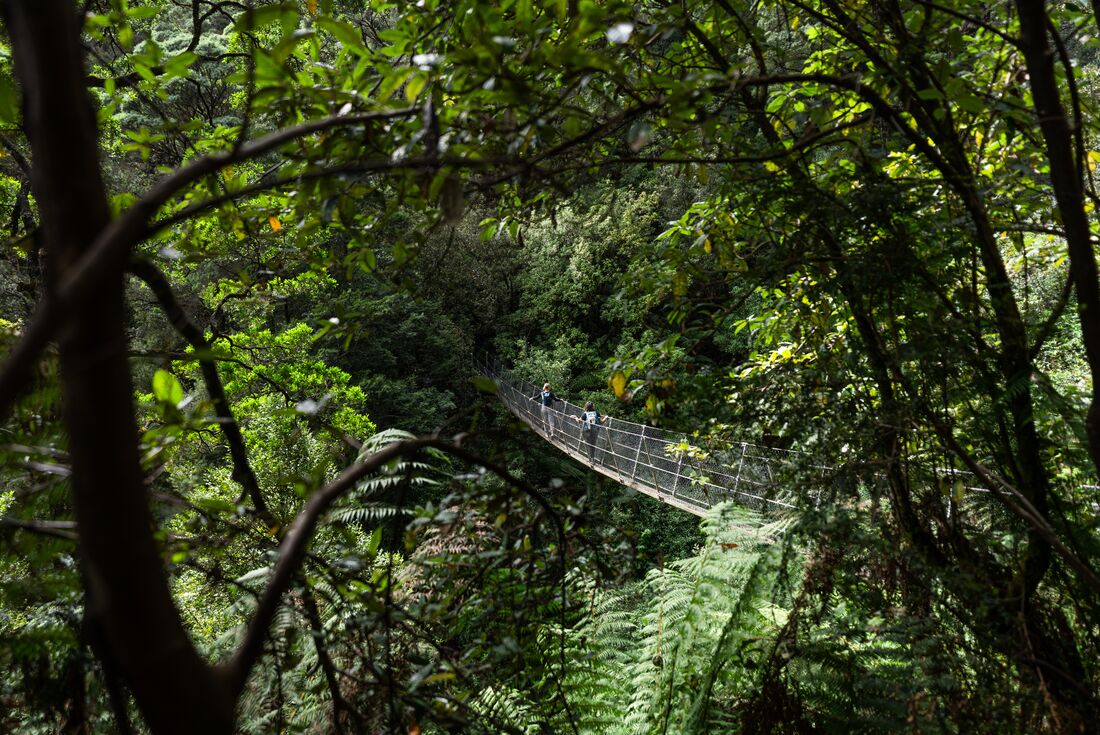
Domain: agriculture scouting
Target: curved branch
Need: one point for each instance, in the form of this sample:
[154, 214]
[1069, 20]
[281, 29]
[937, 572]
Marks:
[242, 469]
[120, 235]
[1052, 319]
[1016, 502]
[974, 20]
[292, 551]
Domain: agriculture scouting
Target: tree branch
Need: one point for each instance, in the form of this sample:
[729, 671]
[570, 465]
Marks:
[1017, 502]
[292, 552]
[1065, 178]
[1052, 319]
[242, 468]
[55, 529]
[129, 80]
[120, 235]
[142, 629]
[339, 703]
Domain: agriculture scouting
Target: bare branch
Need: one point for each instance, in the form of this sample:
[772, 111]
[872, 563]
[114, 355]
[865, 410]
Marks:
[197, 22]
[973, 20]
[56, 529]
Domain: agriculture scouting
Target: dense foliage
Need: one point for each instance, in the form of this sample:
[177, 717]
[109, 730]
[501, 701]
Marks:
[256, 252]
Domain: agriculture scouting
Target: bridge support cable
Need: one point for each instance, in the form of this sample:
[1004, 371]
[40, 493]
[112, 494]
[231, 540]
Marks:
[667, 466]
[661, 464]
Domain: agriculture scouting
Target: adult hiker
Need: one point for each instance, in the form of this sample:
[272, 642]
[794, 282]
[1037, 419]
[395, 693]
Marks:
[590, 421]
[547, 399]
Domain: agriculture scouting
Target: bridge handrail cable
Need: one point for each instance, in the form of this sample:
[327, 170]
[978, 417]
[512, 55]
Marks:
[660, 463]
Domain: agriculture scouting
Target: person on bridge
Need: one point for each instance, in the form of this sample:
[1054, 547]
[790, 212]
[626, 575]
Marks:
[590, 422]
[547, 399]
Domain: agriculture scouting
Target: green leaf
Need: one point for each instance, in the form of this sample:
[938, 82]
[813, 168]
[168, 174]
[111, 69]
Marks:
[286, 47]
[266, 14]
[167, 388]
[142, 13]
[484, 384]
[970, 103]
[144, 72]
[9, 100]
[347, 34]
[126, 37]
[178, 65]
[375, 542]
[415, 87]
[391, 82]
[488, 229]
[524, 13]
[214, 505]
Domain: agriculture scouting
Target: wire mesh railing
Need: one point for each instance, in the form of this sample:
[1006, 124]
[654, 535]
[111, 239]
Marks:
[672, 468]
[663, 464]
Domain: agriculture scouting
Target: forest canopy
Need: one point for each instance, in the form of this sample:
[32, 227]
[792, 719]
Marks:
[258, 257]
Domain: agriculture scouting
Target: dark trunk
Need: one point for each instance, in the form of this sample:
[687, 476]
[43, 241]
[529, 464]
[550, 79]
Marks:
[1068, 194]
[128, 593]
[1064, 696]
[76, 706]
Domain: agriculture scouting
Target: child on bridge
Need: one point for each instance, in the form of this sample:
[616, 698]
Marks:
[590, 422]
[547, 399]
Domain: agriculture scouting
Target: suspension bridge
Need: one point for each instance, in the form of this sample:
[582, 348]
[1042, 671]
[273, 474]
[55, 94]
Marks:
[668, 466]
[661, 464]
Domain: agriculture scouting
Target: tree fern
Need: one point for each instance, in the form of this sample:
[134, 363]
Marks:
[506, 710]
[674, 654]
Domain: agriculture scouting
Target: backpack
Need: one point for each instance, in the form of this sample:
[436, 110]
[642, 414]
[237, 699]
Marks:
[591, 419]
